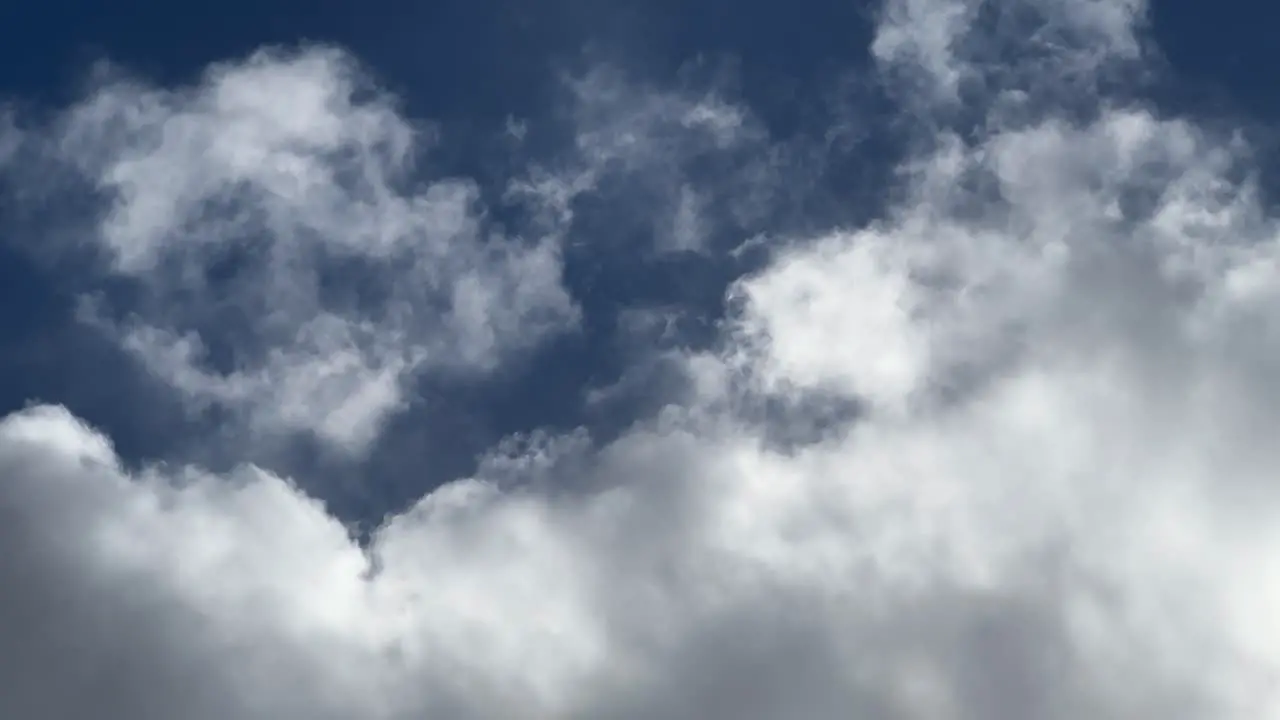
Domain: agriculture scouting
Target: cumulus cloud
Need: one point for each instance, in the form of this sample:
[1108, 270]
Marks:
[1053, 496]
[237, 210]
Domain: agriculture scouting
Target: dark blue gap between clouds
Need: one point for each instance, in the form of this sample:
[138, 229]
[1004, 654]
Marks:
[469, 65]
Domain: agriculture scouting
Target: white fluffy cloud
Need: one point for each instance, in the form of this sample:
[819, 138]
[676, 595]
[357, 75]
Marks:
[237, 205]
[1057, 499]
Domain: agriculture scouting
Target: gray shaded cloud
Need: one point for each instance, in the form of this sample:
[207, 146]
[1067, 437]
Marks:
[1055, 498]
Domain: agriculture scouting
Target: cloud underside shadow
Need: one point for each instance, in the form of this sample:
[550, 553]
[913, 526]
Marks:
[1003, 452]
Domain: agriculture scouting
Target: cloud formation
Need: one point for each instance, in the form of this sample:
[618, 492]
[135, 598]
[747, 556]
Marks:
[1053, 498]
[238, 210]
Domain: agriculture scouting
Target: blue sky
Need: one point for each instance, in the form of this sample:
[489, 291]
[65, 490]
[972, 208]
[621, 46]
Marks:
[471, 67]
[639, 359]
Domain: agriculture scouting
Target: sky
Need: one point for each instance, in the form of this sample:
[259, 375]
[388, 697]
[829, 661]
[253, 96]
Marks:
[901, 360]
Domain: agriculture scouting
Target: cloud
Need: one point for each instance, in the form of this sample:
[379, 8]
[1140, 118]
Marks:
[941, 56]
[1053, 496]
[686, 160]
[234, 207]
[274, 243]
[10, 137]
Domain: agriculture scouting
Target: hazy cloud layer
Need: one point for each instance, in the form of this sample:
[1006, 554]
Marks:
[1039, 388]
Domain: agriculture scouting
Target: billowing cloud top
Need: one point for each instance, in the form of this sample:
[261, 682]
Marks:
[1047, 490]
